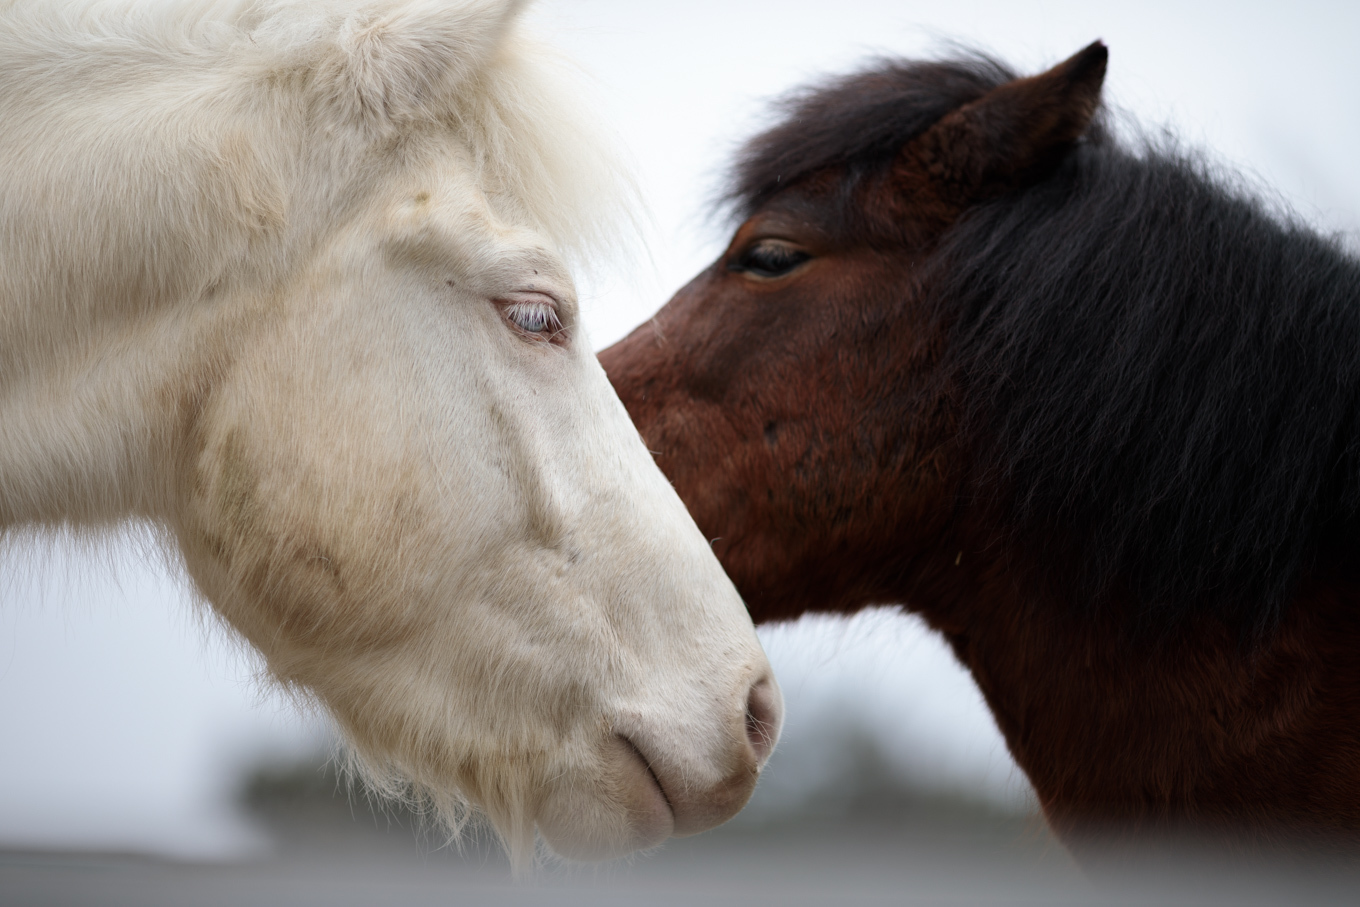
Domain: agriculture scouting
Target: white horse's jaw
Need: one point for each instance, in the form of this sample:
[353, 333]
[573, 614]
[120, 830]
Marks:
[258, 288]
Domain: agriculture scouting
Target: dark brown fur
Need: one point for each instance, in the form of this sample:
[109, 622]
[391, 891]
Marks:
[824, 426]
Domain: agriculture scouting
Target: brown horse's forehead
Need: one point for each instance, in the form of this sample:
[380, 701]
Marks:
[832, 208]
[811, 210]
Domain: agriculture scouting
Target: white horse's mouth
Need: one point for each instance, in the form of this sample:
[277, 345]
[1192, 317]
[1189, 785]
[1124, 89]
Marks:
[651, 773]
[651, 809]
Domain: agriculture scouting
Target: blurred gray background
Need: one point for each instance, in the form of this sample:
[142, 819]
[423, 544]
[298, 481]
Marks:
[130, 721]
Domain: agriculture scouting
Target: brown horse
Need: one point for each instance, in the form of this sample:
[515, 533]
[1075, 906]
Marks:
[1079, 401]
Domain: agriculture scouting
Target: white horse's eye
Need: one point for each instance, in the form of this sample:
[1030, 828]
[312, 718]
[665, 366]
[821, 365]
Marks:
[537, 318]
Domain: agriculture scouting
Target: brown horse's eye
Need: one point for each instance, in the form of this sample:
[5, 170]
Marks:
[768, 259]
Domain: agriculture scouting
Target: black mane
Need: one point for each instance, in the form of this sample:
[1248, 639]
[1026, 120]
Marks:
[1159, 376]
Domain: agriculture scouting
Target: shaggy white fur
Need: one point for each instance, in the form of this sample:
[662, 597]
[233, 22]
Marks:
[256, 260]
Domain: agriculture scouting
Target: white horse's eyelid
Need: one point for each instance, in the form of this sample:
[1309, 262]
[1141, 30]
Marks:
[537, 318]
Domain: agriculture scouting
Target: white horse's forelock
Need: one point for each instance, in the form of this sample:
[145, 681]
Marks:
[385, 65]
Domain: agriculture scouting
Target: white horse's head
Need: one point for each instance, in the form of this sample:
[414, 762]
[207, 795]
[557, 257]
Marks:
[290, 280]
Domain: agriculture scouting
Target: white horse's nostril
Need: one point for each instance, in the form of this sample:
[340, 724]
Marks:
[764, 715]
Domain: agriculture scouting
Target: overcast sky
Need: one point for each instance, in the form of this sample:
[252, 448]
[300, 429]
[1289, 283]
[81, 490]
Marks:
[125, 717]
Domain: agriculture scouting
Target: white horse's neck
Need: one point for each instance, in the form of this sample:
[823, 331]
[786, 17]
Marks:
[119, 269]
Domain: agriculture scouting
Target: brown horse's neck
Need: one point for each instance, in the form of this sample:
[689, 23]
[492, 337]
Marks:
[1140, 735]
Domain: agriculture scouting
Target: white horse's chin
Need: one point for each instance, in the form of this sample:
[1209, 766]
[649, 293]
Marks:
[292, 284]
[620, 809]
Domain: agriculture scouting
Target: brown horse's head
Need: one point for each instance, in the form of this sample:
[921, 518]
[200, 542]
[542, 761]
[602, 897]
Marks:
[1082, 405]
[793, 390]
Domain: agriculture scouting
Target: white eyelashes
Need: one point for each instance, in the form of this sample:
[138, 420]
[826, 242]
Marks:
[534, 317]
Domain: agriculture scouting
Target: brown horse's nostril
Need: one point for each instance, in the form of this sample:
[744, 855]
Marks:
[764, 713]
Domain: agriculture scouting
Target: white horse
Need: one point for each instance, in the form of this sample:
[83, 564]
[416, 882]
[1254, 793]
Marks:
[288, 280]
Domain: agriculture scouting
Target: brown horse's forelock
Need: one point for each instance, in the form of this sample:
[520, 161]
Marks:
[1159, 374]
[857, 123]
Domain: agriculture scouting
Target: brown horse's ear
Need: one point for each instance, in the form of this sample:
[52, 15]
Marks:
[1001, 141]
